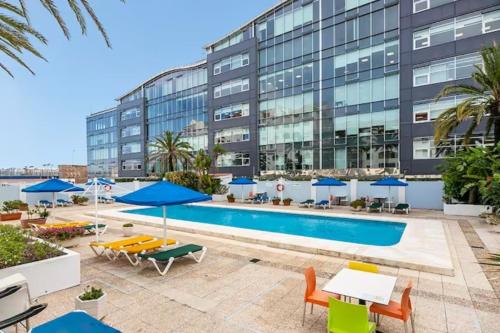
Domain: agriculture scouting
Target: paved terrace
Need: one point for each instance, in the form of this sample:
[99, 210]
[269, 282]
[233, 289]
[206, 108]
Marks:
[229, 293]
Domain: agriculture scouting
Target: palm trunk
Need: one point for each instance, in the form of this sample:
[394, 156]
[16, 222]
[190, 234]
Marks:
[496, 126]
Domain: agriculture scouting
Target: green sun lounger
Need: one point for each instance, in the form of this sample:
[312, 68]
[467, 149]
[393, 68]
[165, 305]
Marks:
[168, 256]
[375, 206]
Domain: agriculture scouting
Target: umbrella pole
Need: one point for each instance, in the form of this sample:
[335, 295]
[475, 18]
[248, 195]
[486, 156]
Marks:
[242, 198]
[95, 206]
[53, 199]
[164, 225]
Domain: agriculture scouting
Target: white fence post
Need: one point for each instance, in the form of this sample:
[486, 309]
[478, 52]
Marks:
[354, 189]
[313, 190]
[402, 192]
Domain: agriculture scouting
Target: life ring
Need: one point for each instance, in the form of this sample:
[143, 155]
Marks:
[107, 188]
[280, 187]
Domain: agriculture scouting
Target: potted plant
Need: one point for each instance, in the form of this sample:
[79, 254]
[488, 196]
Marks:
[41, 219]
[65, 237]
[93, 301]
[79, 200]
[358, 204]
[10, 211]
[287, 201]
[128, 229]
[276, 201]
[230, 198]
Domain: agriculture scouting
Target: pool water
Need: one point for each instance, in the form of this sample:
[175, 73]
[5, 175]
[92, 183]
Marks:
[368, 232]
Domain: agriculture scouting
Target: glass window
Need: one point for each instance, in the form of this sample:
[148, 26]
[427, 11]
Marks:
[131, 147]
[457, 28]
[130, 114]
[391, 18]
[131, 165]
[448, 69]
[231, 87]
[228, 135]
[130, 131]
[232, 111]
[233, 159]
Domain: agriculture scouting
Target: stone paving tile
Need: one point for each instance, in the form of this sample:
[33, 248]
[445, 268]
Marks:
[227, 293]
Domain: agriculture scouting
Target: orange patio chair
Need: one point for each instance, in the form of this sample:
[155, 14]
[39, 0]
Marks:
[402, 311]
[312, 295]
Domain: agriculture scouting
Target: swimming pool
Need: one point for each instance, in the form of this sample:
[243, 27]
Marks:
[360, 231]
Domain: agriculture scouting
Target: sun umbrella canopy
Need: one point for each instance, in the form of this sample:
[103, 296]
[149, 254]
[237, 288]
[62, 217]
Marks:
[329, 182]
[52, 186]
[163, 193]
[389, 181]
[242, 181]
[100, 181]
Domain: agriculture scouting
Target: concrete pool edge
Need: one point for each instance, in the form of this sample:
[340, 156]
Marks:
[423, 245]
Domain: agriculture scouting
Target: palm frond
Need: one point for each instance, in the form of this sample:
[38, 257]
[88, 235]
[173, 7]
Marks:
[94, 17]
[13, 56]
[2, 66]
[11, 8]
[79, 16]
[54, 11]
[24, 8]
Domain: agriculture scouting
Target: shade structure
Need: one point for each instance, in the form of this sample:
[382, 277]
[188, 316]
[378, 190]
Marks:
[100, 182]
[96, 183]
[329, 182]
[52, 186]
[163, 194]
[242, 181]
[389, 182]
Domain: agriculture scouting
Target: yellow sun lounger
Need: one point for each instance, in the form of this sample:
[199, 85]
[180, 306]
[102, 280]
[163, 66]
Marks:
[132, 252]
[61, 225]
[104, 246]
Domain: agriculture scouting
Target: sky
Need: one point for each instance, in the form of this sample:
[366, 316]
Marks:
[42, 117]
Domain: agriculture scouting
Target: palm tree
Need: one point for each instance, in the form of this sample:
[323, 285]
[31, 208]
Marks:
[169, 149]
[202, 163]
[16, 29]
[483, 100]
[217, 151]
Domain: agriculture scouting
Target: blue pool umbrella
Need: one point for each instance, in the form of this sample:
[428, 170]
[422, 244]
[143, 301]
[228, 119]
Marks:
[389, 182]
[52, 186]
[242, 181]
[329, 182]
[163, 194]
[100, 182]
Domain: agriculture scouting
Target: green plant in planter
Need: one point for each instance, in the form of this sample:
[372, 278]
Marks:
[287, 200]
[79, 199]
[43, 213]
[128, 225]
[16, 248]
[91, 293]
[230, 196]
[358, 203]
[60, 234]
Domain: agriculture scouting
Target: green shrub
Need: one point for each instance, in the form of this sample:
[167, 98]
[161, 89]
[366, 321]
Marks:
[79, 199]
[490, 192]
[467, 172]
[184, 178]
[128, 225]
[358, 203]
[91, 293]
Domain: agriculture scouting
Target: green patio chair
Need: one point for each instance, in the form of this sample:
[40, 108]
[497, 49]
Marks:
[348, 318]
[374, 206]
[401, 208]
[168, 256]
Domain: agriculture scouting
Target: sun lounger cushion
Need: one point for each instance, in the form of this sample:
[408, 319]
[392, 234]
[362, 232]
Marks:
[146, 246]
[92, 226]
[173, 253]
[123, 242]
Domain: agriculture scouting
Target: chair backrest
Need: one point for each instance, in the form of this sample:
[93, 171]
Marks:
[310, 275]
[362, 266]
[347, 317]
[406, 307]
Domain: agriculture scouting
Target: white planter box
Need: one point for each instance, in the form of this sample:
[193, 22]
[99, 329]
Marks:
[49, 275]
[219, 197]
[465, 210]
[96, 308]
[128, 231]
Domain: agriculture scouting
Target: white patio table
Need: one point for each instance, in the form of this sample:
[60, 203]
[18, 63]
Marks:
[372, 287]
